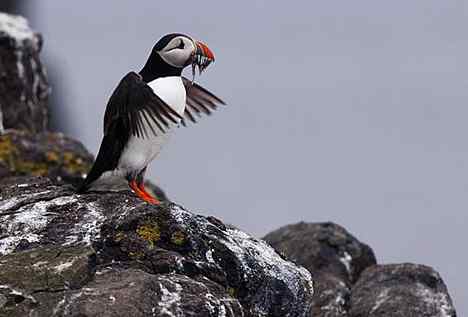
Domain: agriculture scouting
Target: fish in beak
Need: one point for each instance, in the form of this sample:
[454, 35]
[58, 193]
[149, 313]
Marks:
[202, 57]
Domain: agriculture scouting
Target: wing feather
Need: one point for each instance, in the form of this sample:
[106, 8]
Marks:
[131, 101]
[199, 101]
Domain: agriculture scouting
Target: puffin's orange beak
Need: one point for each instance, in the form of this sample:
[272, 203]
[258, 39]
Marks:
[202, 56]
[206, 52]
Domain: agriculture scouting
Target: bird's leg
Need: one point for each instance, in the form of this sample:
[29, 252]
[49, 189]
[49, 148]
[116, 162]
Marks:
[151, 199]
[142, 193]
[133, 185]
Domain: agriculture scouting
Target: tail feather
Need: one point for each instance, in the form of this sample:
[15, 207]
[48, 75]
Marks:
[92, 176]
[106, 160]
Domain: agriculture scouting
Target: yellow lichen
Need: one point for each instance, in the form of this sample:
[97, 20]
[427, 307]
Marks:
[149, 232]
[231, 291]
[10, 157]
[13, 158]
[8, 151]
[29, 167]
[136, 255]
[119, 236]
[52, 156]
[178, 238]
[74, 164]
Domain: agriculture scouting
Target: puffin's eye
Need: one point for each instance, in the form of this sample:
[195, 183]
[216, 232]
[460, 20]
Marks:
[181, 44]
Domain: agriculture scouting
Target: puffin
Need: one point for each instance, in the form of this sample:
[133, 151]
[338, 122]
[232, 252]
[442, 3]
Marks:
[145, 108]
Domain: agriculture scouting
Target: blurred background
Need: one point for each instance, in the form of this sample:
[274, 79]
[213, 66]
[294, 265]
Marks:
[352, 112]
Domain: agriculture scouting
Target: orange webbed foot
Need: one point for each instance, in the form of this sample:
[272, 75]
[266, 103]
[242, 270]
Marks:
[140, 191]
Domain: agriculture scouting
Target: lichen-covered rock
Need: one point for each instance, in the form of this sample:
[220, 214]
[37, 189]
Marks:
[178, 261]
[332, 254]
[400, 290]
[23, 83]
[43, 154]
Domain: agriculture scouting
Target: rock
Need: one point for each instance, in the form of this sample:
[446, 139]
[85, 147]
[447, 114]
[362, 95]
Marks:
[331, 296]
[134, 259]
[23, 83]
[32, 281]
[333, 256]
[125, 293]
[400, 290]
[323, 248]
[43, 154]
[48, 269]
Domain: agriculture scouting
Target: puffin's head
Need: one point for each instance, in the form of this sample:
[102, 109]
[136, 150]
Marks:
[179, 50]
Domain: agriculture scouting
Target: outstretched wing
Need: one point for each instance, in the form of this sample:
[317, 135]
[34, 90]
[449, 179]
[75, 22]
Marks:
[135, 106]
[199, 101]
[133, 109]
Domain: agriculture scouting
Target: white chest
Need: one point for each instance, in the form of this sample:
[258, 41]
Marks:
[172, 91]
[139, 152]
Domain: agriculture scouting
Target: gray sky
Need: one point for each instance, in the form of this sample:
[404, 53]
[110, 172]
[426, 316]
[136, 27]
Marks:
[347, 111]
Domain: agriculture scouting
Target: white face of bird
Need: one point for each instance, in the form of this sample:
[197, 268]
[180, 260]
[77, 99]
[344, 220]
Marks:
[178, 52]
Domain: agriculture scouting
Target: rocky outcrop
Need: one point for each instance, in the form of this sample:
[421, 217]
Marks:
[43, 154]
[134, 292]
[348, 281]
[23, 82]
[400, 290]
[323, 248]
[334, 256]
[112, 254]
